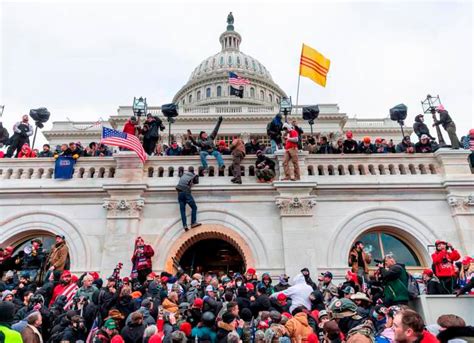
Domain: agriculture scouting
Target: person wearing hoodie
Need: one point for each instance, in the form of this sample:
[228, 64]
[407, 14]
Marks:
[133, 331]
[206, 143]
[443, 260]
[395, 281]
[307, 277]
[349, 144]
[420, 128]
[448, 124]
[267, 283]
[299, 293]
[238, 153]
[204, 331]
[298, 326]
[425, 145]
[274, 129]
[145, 308]
[26, 152]
[261, 302]
[282, 283]
[7, 311]
[76, 331]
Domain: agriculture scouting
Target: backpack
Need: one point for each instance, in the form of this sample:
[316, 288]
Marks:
[412, 286]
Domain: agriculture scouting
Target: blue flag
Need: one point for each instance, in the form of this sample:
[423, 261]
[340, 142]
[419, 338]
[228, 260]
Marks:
[64, 167]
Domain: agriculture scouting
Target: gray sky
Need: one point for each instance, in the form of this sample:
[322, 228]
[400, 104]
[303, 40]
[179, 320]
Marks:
[83, 60]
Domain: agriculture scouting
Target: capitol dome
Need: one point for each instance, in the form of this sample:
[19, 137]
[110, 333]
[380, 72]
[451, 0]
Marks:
[208, 83]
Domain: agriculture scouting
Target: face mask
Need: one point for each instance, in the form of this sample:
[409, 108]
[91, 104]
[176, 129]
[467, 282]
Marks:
[239, 283]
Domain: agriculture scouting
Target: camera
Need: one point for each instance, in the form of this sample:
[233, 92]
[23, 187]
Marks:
[378, 261]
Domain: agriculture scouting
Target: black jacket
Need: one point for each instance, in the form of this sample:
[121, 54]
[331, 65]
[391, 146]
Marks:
[208, 143]
[133, 333]
[420, 128]
[152, 129]
[261, 303]
[456, 332]
[433, 286]
[349, 146]
[274, 130]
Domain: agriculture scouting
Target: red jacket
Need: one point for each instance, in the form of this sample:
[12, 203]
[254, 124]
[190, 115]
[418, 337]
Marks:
[428, 338]
[129, 128]
[446, 268]
[143, 260]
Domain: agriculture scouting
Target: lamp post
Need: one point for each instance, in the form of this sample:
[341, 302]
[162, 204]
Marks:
[139, 107]
[285, 107]
[429, 105]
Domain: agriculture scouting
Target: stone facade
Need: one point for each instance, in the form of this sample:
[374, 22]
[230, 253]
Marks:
[277, 227]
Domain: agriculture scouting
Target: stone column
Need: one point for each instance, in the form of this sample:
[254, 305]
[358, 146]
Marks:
[280, 154]
[296, 205]
[124, 212]
[462, 211]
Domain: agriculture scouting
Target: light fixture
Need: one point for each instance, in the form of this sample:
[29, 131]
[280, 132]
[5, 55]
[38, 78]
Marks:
[139, 106]
[285, 107]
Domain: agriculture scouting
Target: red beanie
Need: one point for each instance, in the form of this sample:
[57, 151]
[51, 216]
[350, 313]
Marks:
[198, 303]
[428, 272]
[281, 297]
[251, 271]
[186, 328]
[94, 275]
[250, 286]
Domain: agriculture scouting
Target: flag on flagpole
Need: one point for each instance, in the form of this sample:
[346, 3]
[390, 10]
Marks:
[237, 92]
[123, 140]
[236, 80]
[314, 65]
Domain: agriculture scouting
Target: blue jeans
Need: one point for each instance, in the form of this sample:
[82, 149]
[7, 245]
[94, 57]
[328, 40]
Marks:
[274, 146]
[216, 154]
[183, 199]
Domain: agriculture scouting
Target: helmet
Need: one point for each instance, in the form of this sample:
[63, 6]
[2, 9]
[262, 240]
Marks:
[342, 308]
[208, 318]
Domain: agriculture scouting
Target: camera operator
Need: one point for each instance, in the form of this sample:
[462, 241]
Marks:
[443, 263]
[186, 182]
[22, 131]
[394, 279]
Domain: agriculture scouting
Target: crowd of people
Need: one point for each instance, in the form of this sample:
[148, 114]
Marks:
[42, 301]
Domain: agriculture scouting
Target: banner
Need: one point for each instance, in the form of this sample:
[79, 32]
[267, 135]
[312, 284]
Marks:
[64, 167]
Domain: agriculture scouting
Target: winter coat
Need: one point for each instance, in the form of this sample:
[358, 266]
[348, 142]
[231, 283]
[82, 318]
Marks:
[460, 333]
[106, 301]
[223, 329]
[298, 328]
[174, 152]
[366, 149]
[211, 304]
[251, 149]
[444, 119]
[125, 305]
[133, 333]
[420, 128]
[142, 260]
[426, 148]
[170, 306]
[72, 336]
[299, 293]
[26, 152]
[147, 318]
[261, 303]
[152, 129]
[396, 284]
[31, 335]
[433, 286]
[208, 143]
[58, 256]
[186, 182]
[4, 135]
[48, 153]
[237, 147]
[428, 337]
[444, 262]
[349, 146]
[403, 147]
[11, 336]
[204, 333]
[90, 293]
[33, 261]
[274, 129]
[354, 260]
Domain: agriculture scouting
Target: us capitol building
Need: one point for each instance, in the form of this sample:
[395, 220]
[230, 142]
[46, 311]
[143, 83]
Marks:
[396, 203]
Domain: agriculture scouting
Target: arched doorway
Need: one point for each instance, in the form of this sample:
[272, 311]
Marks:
[212, 255]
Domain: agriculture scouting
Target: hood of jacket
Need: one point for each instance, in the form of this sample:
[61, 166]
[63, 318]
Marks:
[302, 318]
[299, 279]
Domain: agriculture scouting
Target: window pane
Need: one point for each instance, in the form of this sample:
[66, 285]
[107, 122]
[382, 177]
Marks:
[402, 253]
[371, 246]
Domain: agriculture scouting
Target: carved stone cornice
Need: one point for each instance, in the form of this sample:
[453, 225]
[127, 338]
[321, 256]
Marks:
[296, 206]
[461, 203]
[124, 208]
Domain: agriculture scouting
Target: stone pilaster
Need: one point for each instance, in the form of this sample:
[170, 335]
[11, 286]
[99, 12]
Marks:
[296, 204]
[462, 211]
[124, 208]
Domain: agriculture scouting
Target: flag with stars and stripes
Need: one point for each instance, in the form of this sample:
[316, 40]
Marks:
[123, 140]
[236, 80]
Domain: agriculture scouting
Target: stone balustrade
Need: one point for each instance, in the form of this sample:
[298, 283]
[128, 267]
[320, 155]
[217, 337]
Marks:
[313, 167]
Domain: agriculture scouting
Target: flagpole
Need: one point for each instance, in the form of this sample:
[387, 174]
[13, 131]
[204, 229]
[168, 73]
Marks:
[299, 78]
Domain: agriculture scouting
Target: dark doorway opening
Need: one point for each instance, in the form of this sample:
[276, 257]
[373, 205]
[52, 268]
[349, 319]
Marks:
[212, 255]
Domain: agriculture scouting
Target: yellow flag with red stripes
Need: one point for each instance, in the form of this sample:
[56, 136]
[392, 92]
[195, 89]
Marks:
[314, 65]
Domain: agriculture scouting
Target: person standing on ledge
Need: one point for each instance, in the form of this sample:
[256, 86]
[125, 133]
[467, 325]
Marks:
[448, 124]
[291, 153]
[238, 153]
[186, 181]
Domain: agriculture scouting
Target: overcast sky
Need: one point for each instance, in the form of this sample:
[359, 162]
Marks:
[83, 59]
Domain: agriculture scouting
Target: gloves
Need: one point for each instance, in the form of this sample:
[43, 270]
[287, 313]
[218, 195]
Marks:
[75, 156]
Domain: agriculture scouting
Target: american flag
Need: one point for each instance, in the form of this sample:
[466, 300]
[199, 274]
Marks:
[123, 140]
[236, 80]
[69, 292]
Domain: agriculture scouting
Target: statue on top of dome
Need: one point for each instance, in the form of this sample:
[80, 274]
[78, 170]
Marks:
[230, 22]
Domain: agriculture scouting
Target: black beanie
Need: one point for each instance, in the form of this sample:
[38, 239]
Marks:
[7, 311]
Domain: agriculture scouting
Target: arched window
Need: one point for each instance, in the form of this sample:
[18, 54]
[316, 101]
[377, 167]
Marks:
[208, 92]
[219, 91]
[254, 65]
[190, 98]
[252, 92]
[238, 60]
[246, 62]
[229, 60]
[221, 61]
[270, 97]
[198, 95]
[381, 243]
[262, 95]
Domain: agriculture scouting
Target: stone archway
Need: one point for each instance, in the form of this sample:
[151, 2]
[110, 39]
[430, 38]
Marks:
[204, 232]
[26, 224]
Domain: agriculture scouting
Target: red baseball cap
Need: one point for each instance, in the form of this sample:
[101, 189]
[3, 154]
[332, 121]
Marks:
[250, 286]
[281, 297]
[428, 272]
[198, 303]
[251, 271]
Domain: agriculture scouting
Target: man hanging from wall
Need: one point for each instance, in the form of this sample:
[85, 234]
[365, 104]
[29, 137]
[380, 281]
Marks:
[186, 181]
